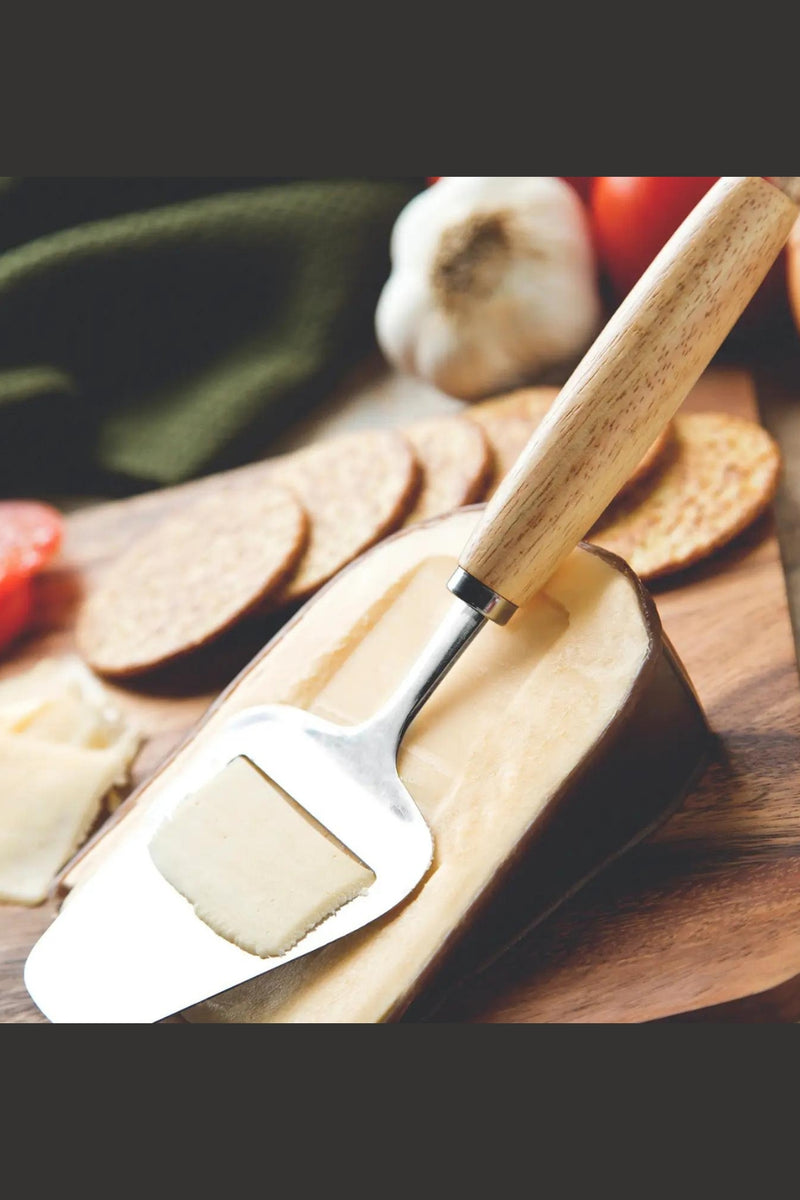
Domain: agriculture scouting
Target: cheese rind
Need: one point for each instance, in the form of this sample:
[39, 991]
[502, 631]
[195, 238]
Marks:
[257, 868]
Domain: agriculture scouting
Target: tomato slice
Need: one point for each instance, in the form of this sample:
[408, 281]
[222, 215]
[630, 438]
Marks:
[30, 534]
[16, 608]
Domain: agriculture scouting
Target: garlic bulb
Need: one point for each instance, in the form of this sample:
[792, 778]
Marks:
[493, 280]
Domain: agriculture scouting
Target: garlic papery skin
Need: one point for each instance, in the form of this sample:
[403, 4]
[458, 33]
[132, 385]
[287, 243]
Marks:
[493, 281]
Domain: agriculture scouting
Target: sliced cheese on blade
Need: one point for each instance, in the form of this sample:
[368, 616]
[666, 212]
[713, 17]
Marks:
[255, 866]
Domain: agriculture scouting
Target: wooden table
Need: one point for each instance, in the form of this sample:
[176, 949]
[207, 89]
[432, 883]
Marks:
[777, 378]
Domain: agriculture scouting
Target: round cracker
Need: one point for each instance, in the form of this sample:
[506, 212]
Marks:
[356, 488]
[649, 460]
[507, 437]
[191, 577]
[522, 402]
[718, 476]
[455, 461]
[509, 421]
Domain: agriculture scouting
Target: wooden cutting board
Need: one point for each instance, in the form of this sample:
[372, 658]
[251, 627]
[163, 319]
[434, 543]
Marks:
[704, 912]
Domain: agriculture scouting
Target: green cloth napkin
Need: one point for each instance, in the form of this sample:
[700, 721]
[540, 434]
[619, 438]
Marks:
[152, 330]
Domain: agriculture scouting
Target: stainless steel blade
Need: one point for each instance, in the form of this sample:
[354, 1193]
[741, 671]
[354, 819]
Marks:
[126, 947]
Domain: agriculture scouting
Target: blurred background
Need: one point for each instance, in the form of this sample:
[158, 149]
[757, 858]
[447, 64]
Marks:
[155, 329]
[152, 330]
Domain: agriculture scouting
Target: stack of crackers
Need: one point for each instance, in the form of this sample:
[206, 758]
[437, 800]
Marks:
[271, 535]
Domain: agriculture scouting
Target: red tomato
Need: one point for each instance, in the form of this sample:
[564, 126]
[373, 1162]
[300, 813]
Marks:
[581, 183]
[30, 534]
[633, 216]
[16, 607]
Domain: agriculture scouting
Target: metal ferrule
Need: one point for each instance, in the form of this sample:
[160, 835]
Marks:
[480, 597]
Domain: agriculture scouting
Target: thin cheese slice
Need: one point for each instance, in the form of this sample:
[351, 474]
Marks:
[50, 795]
[64, 749]
[257, 869]
[61, 700]
[66, 719]
[17, 715]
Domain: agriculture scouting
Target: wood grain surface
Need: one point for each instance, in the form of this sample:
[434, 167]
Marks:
[705, 912]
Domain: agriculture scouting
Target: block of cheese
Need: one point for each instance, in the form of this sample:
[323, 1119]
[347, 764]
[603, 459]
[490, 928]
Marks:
[257, 868]
[552, 745]
[64, 747]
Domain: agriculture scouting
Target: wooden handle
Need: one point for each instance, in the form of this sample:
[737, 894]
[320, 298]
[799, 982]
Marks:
[629, 385]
